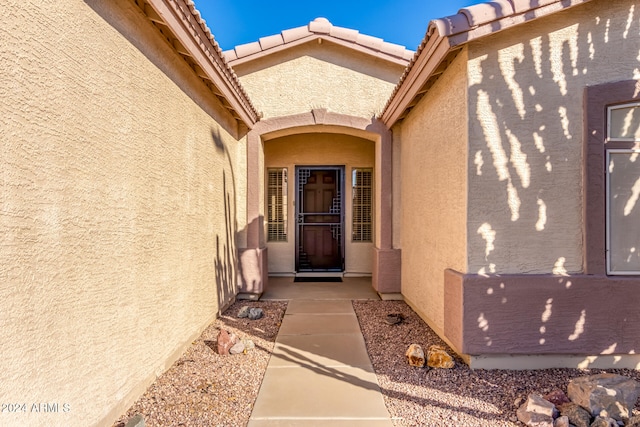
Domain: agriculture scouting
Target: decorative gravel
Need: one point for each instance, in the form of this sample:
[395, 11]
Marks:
[447, 397]
[203, 388]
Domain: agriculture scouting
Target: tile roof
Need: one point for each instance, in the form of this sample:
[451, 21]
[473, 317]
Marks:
[221, 60]
[446, 35]
[187, 32]
[319, 28]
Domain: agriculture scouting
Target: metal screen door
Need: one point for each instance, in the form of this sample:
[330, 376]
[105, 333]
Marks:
[320, 219]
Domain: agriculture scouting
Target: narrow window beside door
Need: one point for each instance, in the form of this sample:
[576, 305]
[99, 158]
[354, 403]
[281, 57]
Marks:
[277, 204]
[362, 184]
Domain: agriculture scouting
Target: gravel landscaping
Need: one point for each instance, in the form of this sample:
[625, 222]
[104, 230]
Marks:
[447, 397]
[205, 389]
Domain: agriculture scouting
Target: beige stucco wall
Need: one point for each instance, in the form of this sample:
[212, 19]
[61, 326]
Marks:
[434, 184]
[319, 149]
[314, 75]
[525, 133]
[116, 243]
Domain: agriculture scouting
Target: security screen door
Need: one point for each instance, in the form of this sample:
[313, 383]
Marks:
[320, 219]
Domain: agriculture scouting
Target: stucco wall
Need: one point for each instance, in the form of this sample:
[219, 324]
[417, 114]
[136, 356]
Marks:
[319, 76]
[312, 149]
[434, 143]
[117, 212]
[525, 133]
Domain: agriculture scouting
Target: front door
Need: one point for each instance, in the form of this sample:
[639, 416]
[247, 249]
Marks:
[320, 221]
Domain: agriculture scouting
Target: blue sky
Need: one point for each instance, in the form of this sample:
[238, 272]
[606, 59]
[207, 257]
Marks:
[404, 22]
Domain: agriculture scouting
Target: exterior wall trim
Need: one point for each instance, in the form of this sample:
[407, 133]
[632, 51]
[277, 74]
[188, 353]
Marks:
[386, 274]
[523, 314]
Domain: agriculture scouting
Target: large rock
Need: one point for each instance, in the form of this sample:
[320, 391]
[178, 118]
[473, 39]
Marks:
[437, 357]
[577, 415]
[415, 355]
[633, 421]
[537, 412]
[557, 397]
[613, 393]
[562, 422]
[244, 311]
[226, 341]
[237, 348]
[604, 422]
[255, 313]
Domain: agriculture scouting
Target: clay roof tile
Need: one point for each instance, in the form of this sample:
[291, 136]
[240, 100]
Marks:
[271, 41]
[450, 25]
[344, 33]
[482, 13]
[374, 43]
[295, 34]
[320, 26]
[247, 49]
[392, 49]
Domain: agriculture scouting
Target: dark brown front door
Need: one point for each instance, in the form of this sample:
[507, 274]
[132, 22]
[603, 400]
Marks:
[320, 219]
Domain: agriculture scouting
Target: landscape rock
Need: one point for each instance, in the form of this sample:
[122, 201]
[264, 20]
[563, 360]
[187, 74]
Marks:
[135, 421]
[237, 348]
[557, 397]
[244, 311]
[255, 313]
[537, 412]
[633, 421]
[394, 318]
[225, 342]
[604, 422]
[248, 344]
[613, 393]
[561, 422]
[437, 357]
[415, 355]
[577, 415]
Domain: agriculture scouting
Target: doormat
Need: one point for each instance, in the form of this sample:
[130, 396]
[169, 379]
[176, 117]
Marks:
[318, 279]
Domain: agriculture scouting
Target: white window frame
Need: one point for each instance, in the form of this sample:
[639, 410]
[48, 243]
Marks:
[608, 209]
[619, 107]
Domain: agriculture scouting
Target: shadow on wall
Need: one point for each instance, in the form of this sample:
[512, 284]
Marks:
[227, 265]
[526, 190]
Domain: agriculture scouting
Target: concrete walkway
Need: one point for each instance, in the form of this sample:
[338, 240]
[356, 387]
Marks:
[319, 373]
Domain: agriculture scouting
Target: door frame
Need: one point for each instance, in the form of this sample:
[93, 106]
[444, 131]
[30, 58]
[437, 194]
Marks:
[297, 200]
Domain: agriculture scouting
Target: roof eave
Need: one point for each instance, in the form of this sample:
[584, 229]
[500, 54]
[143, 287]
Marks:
[310, 39]
[425, 64]
[179, 18]
[436, 48]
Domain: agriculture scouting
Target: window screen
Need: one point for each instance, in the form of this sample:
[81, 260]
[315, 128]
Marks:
[624, 122]
[362, 182]
[277, 204]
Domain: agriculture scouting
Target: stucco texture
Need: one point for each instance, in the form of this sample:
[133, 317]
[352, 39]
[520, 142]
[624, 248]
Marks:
[434, 214]
[315, 76]
[117, 214]
[318, 149]
[526, 133]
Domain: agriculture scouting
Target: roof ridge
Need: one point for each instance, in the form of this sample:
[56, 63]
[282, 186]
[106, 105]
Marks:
[319, 27]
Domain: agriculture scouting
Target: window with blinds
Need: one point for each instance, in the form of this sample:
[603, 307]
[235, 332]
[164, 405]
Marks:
[277, 204]
[362, 190]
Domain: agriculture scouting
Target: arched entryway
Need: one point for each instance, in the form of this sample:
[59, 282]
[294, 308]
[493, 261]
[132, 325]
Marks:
[339, 150]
